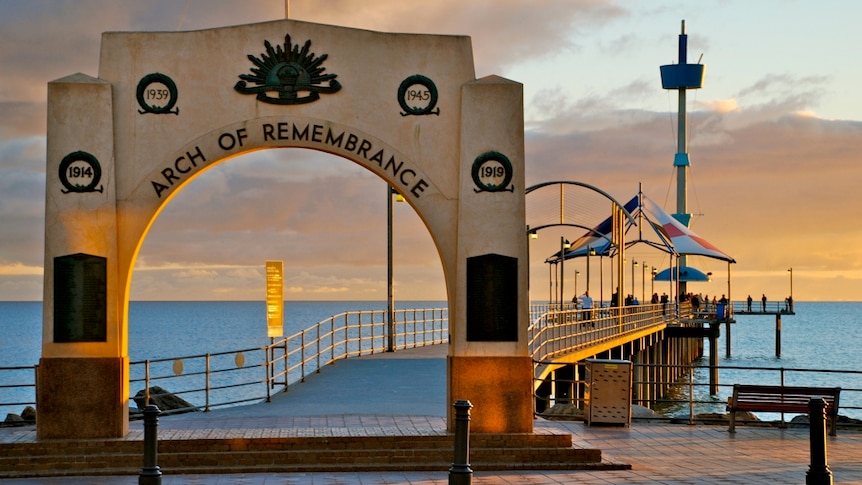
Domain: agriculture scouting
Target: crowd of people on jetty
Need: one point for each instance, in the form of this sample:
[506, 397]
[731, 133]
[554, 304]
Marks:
[699, 303]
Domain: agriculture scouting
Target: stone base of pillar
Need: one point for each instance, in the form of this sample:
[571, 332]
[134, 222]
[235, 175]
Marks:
[499, 389]
[82, 398]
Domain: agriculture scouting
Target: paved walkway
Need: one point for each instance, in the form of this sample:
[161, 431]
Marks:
[404, 394]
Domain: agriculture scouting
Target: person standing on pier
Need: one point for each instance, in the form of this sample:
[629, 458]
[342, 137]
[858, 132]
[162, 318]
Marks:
[749, 303]
[587, 305]
[763, 301]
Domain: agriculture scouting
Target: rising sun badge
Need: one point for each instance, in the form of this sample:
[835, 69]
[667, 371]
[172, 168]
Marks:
[288, 75]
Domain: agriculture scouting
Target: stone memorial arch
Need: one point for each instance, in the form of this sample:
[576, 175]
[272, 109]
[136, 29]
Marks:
[168, 105]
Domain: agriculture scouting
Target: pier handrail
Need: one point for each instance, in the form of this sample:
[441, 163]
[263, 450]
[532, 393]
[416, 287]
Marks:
[759, 308]
[350, 334]
[289, 360]
[557, 331]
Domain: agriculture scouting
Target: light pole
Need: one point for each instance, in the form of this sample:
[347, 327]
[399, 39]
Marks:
[601, 280]
[556, 282]
[575, 299]
[643, 282]
[611, 274]
[652, 281]
[790, 300]
[590, 252]
[634, 265]
[390, 295]
[564, 244]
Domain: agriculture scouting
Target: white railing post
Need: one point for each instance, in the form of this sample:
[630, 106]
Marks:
[284, 357]
[302, 357]
[207, 387]
[267, 362]
[146, 383]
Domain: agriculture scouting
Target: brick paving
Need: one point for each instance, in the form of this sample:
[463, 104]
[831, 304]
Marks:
[658, 452]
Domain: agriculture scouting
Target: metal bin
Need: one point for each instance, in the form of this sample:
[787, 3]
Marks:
[608, 391]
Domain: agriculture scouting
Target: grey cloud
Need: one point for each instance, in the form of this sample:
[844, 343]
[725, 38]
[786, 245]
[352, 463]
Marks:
[22, 185]
[779, 93]
[22, 119]
[504, 32]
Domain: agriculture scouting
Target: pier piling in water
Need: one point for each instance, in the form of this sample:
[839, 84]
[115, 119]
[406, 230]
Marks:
[778, 335]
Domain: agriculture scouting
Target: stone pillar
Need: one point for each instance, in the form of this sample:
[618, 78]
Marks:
[489, 362]
[82, 382]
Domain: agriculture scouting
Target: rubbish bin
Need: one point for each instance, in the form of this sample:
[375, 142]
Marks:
[720, 311]
[608, 391]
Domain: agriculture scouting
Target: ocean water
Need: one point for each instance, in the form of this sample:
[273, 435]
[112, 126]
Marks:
[822, 335]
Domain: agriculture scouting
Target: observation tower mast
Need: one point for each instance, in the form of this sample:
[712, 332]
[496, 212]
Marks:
[681, 77]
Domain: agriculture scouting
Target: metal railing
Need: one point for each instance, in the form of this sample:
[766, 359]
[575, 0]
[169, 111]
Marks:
[758, 307]
[19, 386]
[688, 399]
[558, 330]
[218, 381]
[351, 334]
[213, 379]
[247, 375]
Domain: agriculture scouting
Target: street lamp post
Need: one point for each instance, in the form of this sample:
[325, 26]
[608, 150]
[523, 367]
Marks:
[564, 244]
[576, 285]
[634, 265]
[643, 282]
[614, 289]
[390, 295]
[601, 280]
[790, 300]
[652, 281]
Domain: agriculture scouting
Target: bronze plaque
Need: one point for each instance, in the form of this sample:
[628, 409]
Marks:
[80, 298]
[492, 298]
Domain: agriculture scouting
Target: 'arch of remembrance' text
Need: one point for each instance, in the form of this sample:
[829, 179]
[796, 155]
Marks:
[309, 133]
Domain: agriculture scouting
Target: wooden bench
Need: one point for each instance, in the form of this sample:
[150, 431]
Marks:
[781, 399]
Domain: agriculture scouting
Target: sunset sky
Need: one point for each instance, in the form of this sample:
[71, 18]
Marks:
[775, 144]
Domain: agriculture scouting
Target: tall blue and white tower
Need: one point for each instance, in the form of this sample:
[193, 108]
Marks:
[681, 77]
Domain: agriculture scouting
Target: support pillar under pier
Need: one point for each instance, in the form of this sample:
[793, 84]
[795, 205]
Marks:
[778, 335]
[727, 339]
[713, 360]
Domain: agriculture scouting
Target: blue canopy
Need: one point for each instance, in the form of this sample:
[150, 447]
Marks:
[686, 274]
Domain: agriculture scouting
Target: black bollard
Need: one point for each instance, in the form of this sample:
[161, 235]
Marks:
[818, 472]
[150, 474]
[460, 472]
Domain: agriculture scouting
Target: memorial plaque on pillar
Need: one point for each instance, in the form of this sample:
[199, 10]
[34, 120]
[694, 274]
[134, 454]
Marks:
[80, 298]
[492, 298]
